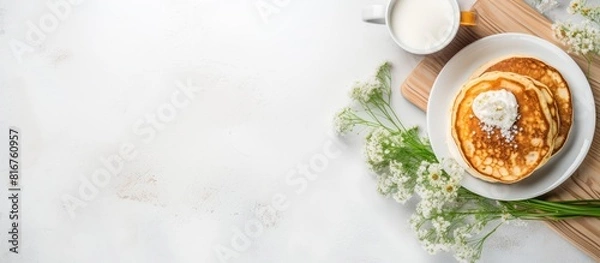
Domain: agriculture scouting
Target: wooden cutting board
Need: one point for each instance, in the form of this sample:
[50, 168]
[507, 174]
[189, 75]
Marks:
[495, 16]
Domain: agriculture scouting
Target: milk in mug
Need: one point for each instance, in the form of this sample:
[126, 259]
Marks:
[422, 24]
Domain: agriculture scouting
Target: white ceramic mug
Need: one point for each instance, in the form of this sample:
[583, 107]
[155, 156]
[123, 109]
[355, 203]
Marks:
[413, 27]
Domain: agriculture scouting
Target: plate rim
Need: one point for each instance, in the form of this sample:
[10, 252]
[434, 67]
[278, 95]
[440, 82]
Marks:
[576, 73]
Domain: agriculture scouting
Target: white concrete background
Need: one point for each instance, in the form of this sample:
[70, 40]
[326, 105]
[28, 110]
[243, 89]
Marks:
[267, 92]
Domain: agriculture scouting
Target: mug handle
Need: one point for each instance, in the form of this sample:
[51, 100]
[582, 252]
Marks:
[374, 14]
[468, 18]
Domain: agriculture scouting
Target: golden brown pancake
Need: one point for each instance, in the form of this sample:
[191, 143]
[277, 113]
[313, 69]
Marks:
[491, 156]
[549, 76]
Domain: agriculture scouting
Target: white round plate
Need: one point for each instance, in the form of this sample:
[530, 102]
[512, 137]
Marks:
[458, 70]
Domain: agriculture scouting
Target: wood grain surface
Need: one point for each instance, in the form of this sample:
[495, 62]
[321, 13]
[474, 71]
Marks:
[494, 17]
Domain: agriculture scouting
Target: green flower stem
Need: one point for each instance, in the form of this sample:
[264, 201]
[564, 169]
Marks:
[384, 107]
[532, 209]
[358, 120]
[395, 115]
[387, 115]
[585, 206]
[581, 202]
[539, 207]
[480, 243]
[370, 112]
[476, 212]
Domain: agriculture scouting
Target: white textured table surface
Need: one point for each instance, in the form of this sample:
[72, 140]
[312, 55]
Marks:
[171, 125]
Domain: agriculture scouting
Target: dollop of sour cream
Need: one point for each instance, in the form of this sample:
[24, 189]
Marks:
[496, 108]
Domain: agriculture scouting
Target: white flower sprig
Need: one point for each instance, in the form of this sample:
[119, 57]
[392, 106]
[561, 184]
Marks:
[581, 7]
[581, 38]
[545, 5]
[447, 217]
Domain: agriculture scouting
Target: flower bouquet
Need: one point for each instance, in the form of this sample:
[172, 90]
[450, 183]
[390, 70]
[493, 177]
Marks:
[581, 38]
[447, 217]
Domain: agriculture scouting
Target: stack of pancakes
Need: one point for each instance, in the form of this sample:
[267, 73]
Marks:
[545, 115]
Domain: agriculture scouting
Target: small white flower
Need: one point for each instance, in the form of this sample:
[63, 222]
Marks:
[422, 168]
[450, 189]
[465, 253]
[575, 6]
[581, 7]
[428, 246]
[506, 217]
[402, 194]
[416, 220]
[434, 174]
[367, 90]
[453, 169]
[422, 233]
[440, 224]
[427, 208]
[374, 149]
[399, 175]
[423, 192]
[582, 38]
[462, 234]
[382, 69]
[385, 184]
[545, 5]
[435, 179]
[343, 121]
[434, 168]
